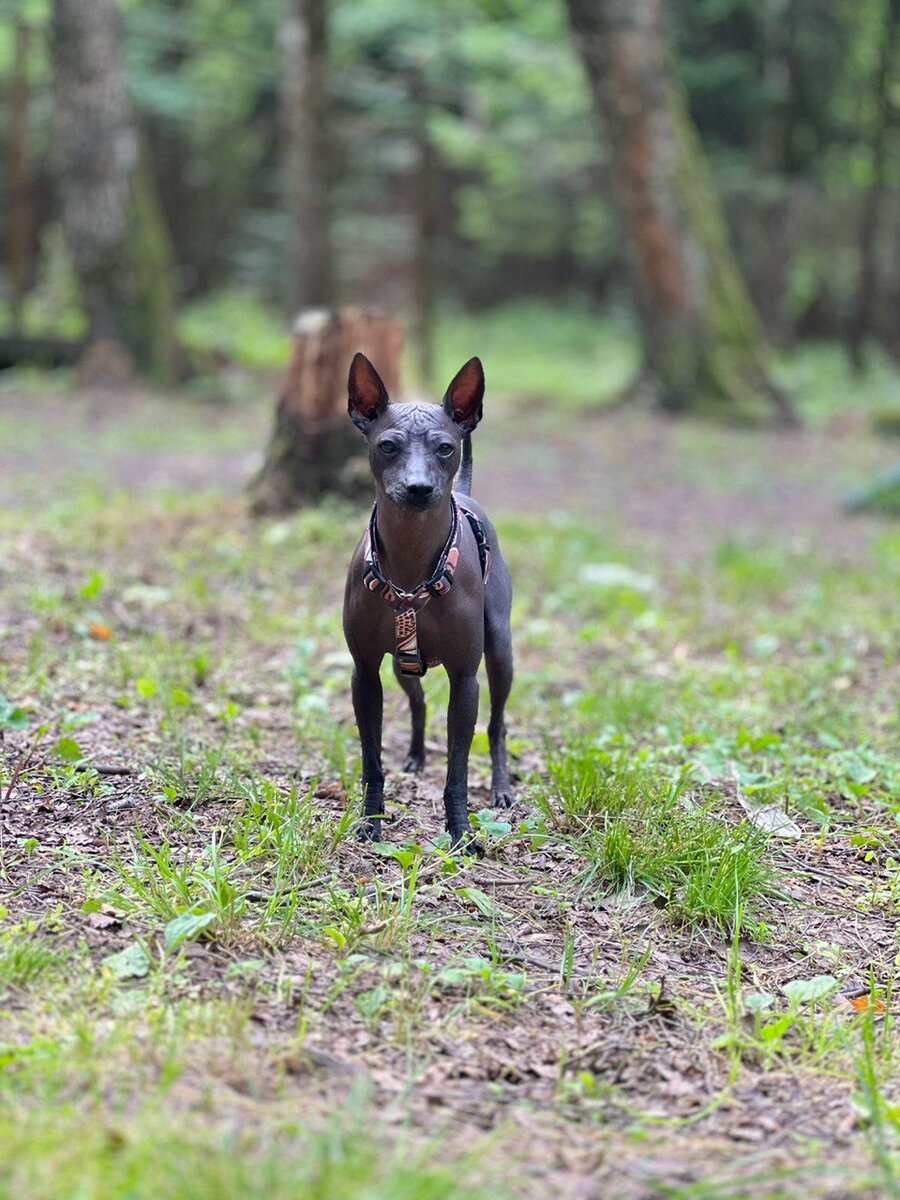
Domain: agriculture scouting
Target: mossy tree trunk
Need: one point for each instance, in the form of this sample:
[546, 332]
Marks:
[307, 154]
[423, 192]
[20, 220]
[863, 321]
[151, 264]
[112, 223]
[702, 340]
[314, 449]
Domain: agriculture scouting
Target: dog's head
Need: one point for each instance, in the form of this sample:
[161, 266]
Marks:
[414, 449]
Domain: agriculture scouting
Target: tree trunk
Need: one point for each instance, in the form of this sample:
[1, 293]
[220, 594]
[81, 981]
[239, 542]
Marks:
[20, 211]
[425, 225]
[95, 151]
[314, 449]
[866, 301]
[119, 245]
[702, 342]
[307, 154]
[151, 257]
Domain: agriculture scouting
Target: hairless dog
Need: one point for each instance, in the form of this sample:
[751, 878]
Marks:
[427, 584]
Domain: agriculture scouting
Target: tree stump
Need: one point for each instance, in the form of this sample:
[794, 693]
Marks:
[314, 450]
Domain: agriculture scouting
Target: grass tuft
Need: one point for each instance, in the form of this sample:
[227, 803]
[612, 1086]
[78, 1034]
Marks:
[639, 830]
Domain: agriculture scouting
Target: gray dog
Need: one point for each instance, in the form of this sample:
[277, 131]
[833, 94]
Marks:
[427, 584]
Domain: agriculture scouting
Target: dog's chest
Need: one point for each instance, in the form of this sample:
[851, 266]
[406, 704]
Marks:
[440, 626]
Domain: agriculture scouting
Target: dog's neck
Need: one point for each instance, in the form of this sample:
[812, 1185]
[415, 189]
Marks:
[410, 541]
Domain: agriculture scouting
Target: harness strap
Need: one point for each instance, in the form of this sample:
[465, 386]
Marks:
[406, 604]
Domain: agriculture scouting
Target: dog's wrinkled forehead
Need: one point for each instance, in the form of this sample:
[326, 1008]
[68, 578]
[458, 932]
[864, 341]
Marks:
[416, 417]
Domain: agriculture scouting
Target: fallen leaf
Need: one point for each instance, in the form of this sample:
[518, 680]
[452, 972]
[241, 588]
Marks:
[331, 791]
[105, 919]
[864, 1003]
[770, 819]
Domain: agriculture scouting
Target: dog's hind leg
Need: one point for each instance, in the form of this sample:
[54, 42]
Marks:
[498, 659]
[462, 713]
[412, 685]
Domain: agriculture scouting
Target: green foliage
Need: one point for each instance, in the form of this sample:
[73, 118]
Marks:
[12, 716]
[239, 327]
[25, 956]
[539, 354]
[636, 830]
[784, 99]
[45, 1159]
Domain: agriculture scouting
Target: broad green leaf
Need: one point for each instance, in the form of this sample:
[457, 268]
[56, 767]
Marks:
[186, 928]
[777, 1029]
[131, 963]
[758, 1002]
[488, 822]
[404, 855]
[807, 991]
[371, 1003]
[68, 750]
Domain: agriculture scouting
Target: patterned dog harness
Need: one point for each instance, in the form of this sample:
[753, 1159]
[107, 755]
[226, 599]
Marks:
[407, 604]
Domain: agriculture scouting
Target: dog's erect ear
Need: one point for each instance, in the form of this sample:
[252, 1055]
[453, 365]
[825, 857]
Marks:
[465, 394]
[367, 396]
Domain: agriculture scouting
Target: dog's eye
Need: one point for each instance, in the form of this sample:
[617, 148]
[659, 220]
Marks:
[445, 449]
[388, 447]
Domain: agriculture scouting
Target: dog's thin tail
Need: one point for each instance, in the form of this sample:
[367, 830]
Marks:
[464, 478]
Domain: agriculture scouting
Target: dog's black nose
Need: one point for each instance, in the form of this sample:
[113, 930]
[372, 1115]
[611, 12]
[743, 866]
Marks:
[419, 492]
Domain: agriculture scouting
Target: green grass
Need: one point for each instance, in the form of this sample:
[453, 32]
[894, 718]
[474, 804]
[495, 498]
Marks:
[49, 1158]
[638, 830]
[25, 956]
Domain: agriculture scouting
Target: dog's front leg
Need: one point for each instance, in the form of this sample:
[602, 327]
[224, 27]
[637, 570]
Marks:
[462, 714]
[367, 705]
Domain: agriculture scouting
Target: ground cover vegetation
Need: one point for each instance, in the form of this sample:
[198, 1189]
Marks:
[671, 973]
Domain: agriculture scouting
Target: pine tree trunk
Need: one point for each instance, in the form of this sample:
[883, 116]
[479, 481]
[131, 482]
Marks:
[867, 293]
[119, 245]
[314, 449]
[702, 342]
[307, 154]
[20, 209]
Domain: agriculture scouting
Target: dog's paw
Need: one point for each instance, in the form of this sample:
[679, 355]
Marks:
[414, 764]
[369, 831]
[503, 796]
[464, 841]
